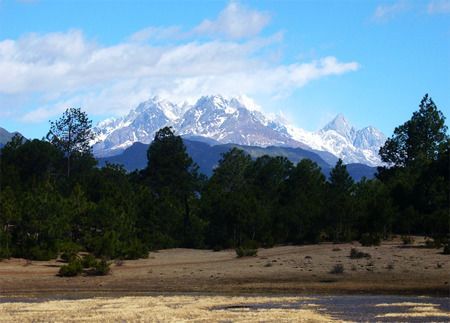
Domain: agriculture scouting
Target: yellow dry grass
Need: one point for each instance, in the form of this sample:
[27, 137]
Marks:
[160, 309]
[415, 310]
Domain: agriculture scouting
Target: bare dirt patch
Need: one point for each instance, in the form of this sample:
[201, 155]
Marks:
[287, 270]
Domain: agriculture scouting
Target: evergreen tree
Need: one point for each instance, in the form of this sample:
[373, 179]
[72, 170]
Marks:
[419, 139]
[227, 203]
[340, 200]
[173, 177]
[301, 212]
[71, 134]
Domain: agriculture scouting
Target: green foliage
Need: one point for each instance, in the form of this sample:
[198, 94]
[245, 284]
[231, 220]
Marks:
[69, 251]
[101, 268]
[88, 261]
[71, 134]
[417, 140]
[73, 268]
[340, 215]
[173, 178]
[245, 204]
[87, 265]
[246, 252]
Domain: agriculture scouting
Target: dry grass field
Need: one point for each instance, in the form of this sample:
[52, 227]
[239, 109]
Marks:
[391, 269]
[159, 309]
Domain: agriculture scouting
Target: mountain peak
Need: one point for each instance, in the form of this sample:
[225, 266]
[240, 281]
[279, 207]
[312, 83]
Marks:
[341, 126]
[235, 120]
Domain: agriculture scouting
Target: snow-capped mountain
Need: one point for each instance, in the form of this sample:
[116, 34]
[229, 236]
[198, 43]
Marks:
[230, 121]
[235, 120]
[344, 141]
[140, 125]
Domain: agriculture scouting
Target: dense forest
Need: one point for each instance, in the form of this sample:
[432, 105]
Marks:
[54, 198]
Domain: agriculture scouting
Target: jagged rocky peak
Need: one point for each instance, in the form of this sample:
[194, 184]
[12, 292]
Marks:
[171, 110]
[369, 137]
[235, 120]
[341, 125]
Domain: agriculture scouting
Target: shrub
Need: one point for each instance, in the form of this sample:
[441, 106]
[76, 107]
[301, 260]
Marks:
[370, 239]
[134, 250]
[4, 253]
[72, 269]
[433, 243]
[42, 253]
[69, 251]
[246, 252]
[407, 240]
[446, 250]
[356, 254]
[88, 261]
[337, 269]
[101, 268]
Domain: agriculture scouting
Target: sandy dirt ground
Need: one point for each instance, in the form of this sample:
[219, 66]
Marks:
[289, 270]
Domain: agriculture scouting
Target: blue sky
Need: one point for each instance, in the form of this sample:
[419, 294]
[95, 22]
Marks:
[370, 60]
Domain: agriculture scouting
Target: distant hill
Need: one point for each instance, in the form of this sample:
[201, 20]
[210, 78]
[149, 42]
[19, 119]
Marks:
[6, 136]
[207, 157]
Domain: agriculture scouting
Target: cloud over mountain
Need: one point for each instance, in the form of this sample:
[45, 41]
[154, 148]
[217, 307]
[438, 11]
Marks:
[62, 69]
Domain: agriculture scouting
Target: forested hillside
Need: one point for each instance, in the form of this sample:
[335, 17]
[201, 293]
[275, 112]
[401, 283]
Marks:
[55, 199]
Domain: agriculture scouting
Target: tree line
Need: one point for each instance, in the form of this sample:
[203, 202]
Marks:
[54, 198]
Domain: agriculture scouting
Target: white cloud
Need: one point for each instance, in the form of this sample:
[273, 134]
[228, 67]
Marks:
[388, 11]
[235, 22]
[64, 69]
[438, 7]
[157, 33]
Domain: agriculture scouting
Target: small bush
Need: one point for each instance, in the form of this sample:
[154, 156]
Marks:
[4, 253]
[356, 254]
[407, 240]
[88, 261]
[68, 257]
[370, 239]
[337, 269]
[246, 252]
[69, 251]
[41, 253]
[72, 269]
[446, 250]
[101, 268]
[433, 243]
[390, 266]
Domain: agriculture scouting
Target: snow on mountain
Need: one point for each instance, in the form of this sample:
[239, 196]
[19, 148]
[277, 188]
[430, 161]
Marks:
[235, 120]
[231, 121]
[140, 125]
[344, 141]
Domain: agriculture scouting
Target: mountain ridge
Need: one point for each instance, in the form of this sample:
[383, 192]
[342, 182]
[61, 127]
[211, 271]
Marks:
[207, 157]
[238, 121]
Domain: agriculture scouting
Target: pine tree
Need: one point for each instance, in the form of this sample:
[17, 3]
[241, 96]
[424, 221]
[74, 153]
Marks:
[71, 134]
[419, 139]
